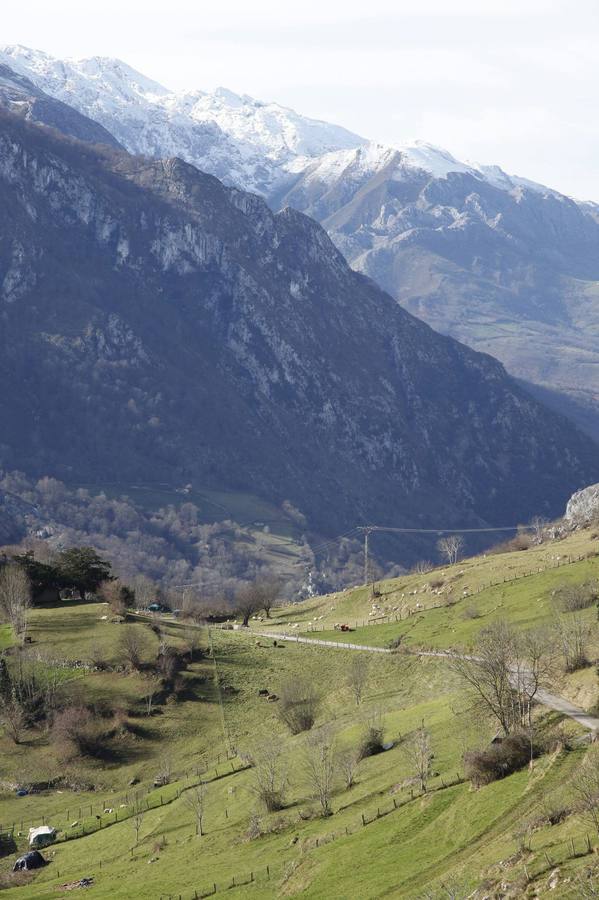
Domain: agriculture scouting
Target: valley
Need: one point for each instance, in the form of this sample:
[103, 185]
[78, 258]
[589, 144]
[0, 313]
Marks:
[220, 719]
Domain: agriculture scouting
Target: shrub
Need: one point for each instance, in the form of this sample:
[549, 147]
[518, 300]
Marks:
[168, 665]
[372, 739]
[501, 759]
[472, 612]
[298, 704]
[574, 597]
[520, 542]
[133, 646]
[77, 732]
[269, 776]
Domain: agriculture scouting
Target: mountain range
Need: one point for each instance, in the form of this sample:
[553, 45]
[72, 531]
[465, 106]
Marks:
[159, 325]
[503, 264]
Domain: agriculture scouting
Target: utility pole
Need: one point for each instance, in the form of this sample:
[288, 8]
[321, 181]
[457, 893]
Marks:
[366, 531]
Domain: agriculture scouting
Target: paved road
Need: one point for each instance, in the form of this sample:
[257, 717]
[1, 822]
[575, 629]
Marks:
[551, 701]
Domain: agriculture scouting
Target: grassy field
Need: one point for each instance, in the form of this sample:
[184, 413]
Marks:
[384, 838]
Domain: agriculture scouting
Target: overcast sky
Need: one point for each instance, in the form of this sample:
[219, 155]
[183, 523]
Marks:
[511, 82]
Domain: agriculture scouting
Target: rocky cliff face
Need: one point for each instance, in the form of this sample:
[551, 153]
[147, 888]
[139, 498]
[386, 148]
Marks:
[583, 507]
[158, 325]
[503, 264]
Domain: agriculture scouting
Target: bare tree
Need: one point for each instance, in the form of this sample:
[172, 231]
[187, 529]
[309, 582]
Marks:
[532, 668]
[347, 761]
[357, 675]
[419, 755]
[15, 598]
[116, 594]
[192, 637]
[145, 591]
[270, 588]
[137, 818]
[319, 767]
[507, 672]
[538, 525]
[269, 776]
[133, 645]
[13, 717]
[586, 789]
[450, 547]
[423, 566]
[488, 673]
[165, 770]
[299, 701]
[248, 602]
[195, 799]
[152, 686]
[572, 632]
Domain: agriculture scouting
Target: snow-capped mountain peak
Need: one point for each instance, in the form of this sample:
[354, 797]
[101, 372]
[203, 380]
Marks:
[254, 145]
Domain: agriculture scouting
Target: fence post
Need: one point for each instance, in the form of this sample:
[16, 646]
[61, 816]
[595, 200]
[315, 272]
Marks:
[363, 820]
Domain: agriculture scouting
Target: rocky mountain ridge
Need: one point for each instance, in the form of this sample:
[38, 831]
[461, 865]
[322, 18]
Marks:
[149, 308]
[503, 264]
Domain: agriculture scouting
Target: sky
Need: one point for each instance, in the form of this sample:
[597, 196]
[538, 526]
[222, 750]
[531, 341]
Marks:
[506, 82]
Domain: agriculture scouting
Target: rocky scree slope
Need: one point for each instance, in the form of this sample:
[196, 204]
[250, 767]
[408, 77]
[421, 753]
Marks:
[503, 264]
[158, 325]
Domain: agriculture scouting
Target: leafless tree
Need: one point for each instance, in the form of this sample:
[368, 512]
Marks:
[423, 566]
[133, 645]
[269, 776]
[347, 761]
[357, 675]
[260, 594]
[145, 591]
[195, 799]
[586, 789]
[15, 598]
[13, 717]
[572, 632]
[248, 602]
[165, 770]
[538, 525]
[113, 593]
[488, 673]
[137, 818]
[299, 701]
[319, 767]
[507, 671]
[532, 669]
[192, 637]
[450, 547]
[270, 588]
[418, 753]
[152, 686]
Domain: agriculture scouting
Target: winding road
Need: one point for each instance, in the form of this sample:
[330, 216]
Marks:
[545, 698]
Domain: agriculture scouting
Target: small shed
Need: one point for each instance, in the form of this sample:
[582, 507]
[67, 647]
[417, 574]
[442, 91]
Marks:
[30, 860]
[41, 836]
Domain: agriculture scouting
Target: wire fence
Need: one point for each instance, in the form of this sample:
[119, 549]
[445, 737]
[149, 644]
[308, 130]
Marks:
[408, 612]
[90, 818]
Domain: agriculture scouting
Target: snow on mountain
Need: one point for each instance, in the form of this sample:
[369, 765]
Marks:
[247, 143]
[244, 142]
